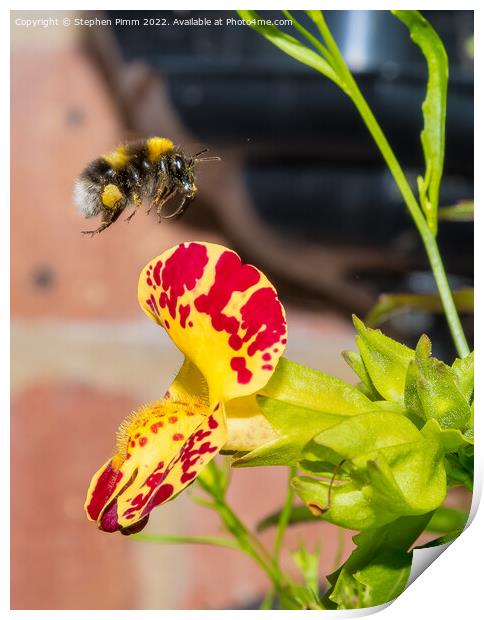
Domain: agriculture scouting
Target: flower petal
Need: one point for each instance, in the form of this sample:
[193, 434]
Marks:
[188, 382]
[247, 427]
[225, 316]
[102, 486]
[161, 449]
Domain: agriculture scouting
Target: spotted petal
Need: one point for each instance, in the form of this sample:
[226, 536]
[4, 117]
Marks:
[224, 315]
[247, 427]
[161, 449]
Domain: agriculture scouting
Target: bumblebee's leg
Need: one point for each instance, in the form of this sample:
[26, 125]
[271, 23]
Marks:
[162, 193]
[113, 201]
[136, 200]
[109, 217]
[161, 203]
[181, 209]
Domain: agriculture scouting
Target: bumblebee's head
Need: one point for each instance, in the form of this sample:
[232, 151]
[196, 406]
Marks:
[181, 169]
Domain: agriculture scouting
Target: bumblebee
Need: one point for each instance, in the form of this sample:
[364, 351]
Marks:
[152, 169]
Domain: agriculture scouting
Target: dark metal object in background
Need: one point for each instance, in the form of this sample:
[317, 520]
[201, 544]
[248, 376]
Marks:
[303, 189]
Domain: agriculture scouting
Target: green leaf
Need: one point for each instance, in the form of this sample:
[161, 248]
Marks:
[366, 386]
[316, 43]
[295, 596]
[316, 17]
[459, 453]
[468, 431]
[459, 472]
[305, 387]
[290, 45]
[463, 211]
[385, 577]
[464, 373]
[308, 564]
[432, 390]
[449, 439]
[345, 505]
[442, 540]
[377, 570]
[433, 108]
[295, 427]
[299, 402]
[389, 305]
[386, 361]
[411, 398]
[447, 519]
[384, 468]
[360, 435]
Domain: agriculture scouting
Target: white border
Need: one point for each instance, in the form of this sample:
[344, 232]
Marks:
[452, 585]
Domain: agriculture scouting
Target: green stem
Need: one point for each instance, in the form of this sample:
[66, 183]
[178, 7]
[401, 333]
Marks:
[246, 541]
[187, 540]
[268, 601]
[428, 239]
[251, 545]
[284, 518]
[310, 37]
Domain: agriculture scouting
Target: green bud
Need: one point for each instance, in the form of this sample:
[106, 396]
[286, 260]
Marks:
[386, 361]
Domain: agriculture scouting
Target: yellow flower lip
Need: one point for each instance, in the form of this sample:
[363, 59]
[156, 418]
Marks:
[161, 449]
[224, 315]
[226, 318]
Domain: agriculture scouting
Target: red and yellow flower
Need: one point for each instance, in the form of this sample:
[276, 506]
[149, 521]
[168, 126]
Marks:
[227, 320]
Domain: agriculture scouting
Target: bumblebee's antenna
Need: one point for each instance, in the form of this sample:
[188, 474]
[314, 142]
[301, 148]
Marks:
[197, 159]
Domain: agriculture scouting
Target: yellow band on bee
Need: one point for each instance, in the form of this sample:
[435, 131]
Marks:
[111, 196]
[157, 147]
[118, 158]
